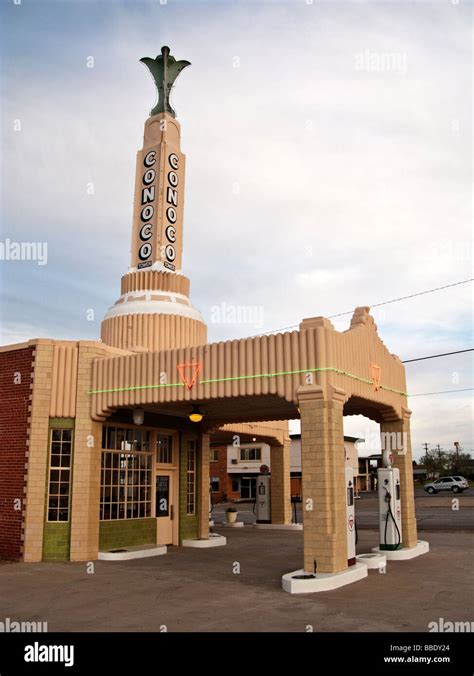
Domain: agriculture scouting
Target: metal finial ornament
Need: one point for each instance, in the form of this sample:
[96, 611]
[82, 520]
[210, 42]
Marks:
[164, 69]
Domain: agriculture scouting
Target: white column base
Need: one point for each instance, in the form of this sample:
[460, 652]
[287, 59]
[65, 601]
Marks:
[213, 541]
[278, 526]
[372, 560]
[234, 524]
[133, 553]
[323, 581]
[405, 553]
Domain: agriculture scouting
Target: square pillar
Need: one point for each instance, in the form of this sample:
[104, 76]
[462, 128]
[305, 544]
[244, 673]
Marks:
[396, 437]
[322, 466]
[280, 483]
[85, 498]
[203, 488]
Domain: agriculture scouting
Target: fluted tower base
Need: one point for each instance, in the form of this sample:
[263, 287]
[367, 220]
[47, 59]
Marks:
[153, 313]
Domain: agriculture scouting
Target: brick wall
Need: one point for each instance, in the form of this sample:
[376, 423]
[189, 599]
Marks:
[15, 381]
[219, 469]
[126, 533]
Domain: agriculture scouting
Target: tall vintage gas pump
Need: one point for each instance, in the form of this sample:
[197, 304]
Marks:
[263, 497]
[388, 483]
[350, 509]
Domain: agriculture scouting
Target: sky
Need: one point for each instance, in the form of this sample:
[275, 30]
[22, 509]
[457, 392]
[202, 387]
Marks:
[328, 166]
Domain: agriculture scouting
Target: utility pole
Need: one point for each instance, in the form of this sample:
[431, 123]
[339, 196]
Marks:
[426, 447]
[456, 446]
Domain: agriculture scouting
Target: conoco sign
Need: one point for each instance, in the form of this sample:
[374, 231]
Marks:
[171, 213]
[158, 208]
[147, 211]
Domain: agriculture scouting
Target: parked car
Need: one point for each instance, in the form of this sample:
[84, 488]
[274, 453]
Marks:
[456, 484]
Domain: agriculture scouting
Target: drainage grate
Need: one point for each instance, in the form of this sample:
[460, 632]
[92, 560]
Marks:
[117, 551]
[305, 576]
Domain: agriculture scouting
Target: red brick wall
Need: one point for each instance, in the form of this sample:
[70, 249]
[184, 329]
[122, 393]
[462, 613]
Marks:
[14, 402]
[219, 469]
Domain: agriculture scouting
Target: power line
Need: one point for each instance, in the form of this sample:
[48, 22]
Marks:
[425, 394]
[386, 302]
[413, 295]
[434, 356]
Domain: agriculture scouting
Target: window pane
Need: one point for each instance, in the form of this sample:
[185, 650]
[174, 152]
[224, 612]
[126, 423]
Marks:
[111, 438]
[53, 488]
[65, 460]
[67, 435]
[65, 475]
[121, 439]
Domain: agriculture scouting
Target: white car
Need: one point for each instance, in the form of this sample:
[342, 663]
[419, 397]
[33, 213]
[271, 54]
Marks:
[456, 484]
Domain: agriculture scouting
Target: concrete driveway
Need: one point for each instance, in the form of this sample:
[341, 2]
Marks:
[200, 590]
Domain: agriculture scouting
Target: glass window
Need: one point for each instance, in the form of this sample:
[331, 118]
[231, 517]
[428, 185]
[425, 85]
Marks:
[59, 485]
[126, 474]
[214, 455]
[164, 448]
[215, 484]
[191, 478]
[251, 454]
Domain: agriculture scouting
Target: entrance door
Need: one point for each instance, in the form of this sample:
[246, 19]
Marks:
[164, 507]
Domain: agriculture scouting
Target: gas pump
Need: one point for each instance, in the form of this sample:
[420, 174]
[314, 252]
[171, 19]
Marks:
[388, 483]
[350, 513]
[263, 497]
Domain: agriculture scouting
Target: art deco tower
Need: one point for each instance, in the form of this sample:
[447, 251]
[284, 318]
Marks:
[154, 311]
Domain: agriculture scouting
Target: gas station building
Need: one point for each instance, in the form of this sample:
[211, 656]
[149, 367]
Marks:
[106, 444]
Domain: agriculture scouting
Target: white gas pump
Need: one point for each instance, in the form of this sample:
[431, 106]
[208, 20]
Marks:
[263, 499]
[350, 509]
[388, 483]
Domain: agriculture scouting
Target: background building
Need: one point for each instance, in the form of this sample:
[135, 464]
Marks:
[234, 469]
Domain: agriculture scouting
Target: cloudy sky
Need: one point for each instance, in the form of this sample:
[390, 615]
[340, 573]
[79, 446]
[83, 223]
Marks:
[328, 166]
